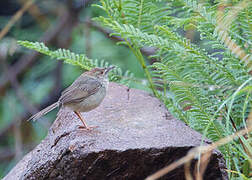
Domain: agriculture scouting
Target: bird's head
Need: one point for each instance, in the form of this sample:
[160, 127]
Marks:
[100, 72]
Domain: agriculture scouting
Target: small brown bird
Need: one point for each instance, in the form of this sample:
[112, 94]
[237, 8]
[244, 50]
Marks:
[85, 94]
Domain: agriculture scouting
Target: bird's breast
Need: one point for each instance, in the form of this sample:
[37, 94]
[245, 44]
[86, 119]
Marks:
[90, 102]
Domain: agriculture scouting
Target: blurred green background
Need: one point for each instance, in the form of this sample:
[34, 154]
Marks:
[28, 84]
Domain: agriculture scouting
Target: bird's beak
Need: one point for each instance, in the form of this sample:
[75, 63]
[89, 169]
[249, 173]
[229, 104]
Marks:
[108, 69]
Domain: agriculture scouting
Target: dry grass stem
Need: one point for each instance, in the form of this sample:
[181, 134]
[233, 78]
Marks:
[15, 18]
[188, 175]
[223, 26]
[201, 166]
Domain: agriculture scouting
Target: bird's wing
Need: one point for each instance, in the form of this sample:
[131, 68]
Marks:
[79, 90]
[75, 83]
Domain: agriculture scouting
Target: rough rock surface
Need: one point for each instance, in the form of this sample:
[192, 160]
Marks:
[135, 137]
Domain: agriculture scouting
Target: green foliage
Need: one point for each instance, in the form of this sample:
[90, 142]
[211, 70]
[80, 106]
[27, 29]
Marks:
[79, 60]
[208, 89]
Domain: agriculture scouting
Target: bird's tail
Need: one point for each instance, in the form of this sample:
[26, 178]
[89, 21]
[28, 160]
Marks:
[44, 111]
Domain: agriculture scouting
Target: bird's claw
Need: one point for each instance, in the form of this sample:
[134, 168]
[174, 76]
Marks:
[89, 128]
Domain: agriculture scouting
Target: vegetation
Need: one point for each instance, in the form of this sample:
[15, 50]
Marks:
[199, 63]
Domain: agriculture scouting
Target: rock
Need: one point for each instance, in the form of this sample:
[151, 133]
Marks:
[136, 137]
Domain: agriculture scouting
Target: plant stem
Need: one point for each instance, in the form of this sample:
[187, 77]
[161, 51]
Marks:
[140, 59]
[147, 72]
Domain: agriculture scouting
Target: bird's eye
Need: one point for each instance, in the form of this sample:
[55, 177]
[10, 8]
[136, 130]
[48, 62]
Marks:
[99, 72]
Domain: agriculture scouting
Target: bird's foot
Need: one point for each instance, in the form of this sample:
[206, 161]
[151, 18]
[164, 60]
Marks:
[89, 128]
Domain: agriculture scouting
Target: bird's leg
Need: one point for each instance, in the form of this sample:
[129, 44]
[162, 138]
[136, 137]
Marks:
[82, 120]
[84, 123]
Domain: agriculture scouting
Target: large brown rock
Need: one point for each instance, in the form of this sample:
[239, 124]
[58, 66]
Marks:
[136, 137]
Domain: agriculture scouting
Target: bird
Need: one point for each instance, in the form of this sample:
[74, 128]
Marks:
[84, 94]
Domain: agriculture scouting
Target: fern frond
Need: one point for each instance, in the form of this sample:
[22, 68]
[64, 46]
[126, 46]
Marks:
[220, 28]
[195, 84]
[80, 60]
